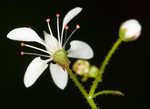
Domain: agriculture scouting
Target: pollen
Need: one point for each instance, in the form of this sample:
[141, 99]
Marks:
[78, 26]
[21, 53]
[22, 44]
[66, 27]
[48, 20]
[57, 15]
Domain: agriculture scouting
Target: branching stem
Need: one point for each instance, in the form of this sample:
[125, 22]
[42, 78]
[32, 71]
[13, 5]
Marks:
[89, 99]
[101, 71]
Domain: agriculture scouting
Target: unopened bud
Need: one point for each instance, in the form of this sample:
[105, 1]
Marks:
[93, 71]
[130, 30]
[81, 67]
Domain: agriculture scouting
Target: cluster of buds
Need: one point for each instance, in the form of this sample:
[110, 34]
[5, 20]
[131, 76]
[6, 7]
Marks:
[129, 30]
[85, 69]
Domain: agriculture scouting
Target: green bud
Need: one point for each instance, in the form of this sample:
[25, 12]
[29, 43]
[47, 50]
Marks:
[93, 71]
[61, 58]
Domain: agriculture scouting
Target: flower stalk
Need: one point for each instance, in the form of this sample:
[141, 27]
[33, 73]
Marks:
[90, 97]
[101, 71]
[81, 88]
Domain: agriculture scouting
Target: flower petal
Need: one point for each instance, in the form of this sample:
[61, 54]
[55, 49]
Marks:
[51, 41]
[80, 49]
[24, 34]
[59, 75]
[34, 70]
[70, 15]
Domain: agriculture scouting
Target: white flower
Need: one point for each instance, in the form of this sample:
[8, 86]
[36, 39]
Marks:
[55, 49]
[130, 30]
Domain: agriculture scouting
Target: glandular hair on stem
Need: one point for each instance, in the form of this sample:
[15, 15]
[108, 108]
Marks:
[89, 97]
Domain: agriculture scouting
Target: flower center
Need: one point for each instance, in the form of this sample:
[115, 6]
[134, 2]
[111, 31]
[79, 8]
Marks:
[61, 58]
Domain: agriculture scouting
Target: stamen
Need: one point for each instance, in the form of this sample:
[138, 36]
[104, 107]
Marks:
[22, 44]
[66, 31]
[48, 20]
[22, 53]
[35, 54]
[58, 15]
[77, 27]
[66, 27]
[30, 46]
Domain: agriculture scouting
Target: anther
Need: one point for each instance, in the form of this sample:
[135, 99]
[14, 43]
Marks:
[21, 53]
[57, 15]
[22, 44]
[77, 26]
[48, 20]
[66, 27]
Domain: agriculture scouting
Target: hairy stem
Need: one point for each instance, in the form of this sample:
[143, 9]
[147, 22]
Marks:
[89, 99]
[105, 62]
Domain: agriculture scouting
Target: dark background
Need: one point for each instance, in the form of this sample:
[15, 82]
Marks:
[99, 21]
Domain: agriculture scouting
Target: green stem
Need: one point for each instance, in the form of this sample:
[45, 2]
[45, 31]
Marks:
[113, 92]
[81, 88]
[101, 71]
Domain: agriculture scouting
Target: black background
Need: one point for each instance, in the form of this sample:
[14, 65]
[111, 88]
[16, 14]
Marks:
[99, 21]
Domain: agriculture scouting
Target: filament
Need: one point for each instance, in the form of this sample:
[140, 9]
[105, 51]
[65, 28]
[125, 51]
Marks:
[35, 54]
[30, 46]
[69, 37]
[66, 31]
[57, 15]
[48, 20]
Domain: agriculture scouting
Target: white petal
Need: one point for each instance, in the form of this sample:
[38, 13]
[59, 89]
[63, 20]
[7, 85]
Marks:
[24, 34]
[51, 41]
[69, 16]
[80, 49]
[133, 28]
[59, 76]
[34, 70]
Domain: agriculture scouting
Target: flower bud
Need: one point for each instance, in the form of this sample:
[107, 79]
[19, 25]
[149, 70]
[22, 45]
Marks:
[81, 67]
[130, 30]
[93, 71]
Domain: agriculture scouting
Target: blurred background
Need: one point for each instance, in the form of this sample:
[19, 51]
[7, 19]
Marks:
[100, 21]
